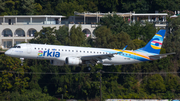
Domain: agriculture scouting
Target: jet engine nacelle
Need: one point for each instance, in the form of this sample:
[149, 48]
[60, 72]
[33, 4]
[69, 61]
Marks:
[73, 61]
[57, 63]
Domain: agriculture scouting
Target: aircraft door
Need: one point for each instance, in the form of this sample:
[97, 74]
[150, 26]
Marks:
[28, 48]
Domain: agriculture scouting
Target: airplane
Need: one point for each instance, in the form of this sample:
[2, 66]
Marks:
[72, 55]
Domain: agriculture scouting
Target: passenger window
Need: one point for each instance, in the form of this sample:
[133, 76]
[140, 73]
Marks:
[76, 50]
[91, 52]
[62, 49]
[38, 48]
[84, 51]
[80, 51]
[69, 50]
[87, 51]
[41, 48]
[34, 48]
[45, 48]
[65, 50]
[18, 46]
[94, 52]
[59, 49]
[72, 50]
[48, 49]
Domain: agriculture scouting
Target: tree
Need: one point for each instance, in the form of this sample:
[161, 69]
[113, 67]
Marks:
[171, 43]
[31, 95]
[155, 84]
[139, 6]
[77, 37]
[108, 5]
[37, 8]
[62, 35]
[45, 36]
[2, 7]
[106, 39]
[11, 81]
[11, 7]
[143, 32]
[67, 9]
[103, 37]
[115, 23]
[26, 7]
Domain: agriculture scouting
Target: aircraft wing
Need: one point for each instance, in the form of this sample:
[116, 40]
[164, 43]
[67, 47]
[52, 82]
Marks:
[95, 58]
[155, 57]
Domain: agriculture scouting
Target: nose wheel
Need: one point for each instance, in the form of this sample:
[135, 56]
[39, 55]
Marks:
[22, 60]
[89, 68]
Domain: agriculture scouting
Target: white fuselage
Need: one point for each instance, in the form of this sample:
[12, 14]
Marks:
[60, 53]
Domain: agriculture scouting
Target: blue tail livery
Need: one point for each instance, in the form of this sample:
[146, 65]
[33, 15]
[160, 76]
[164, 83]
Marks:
[155, 44]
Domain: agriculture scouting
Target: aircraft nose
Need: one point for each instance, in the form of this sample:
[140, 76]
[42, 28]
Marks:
[7, 52]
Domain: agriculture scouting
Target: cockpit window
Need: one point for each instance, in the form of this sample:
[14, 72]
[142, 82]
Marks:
[16, 47]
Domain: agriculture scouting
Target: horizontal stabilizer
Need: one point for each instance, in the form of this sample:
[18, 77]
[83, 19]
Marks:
[155, 57]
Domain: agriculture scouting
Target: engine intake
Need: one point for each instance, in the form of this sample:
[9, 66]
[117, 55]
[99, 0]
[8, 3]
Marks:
[73, 61]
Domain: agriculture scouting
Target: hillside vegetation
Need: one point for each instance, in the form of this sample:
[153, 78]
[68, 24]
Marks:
[37, 79]
[67, 7]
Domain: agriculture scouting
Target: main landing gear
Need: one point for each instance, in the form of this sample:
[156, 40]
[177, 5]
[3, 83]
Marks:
[85, 69]
[89, 68]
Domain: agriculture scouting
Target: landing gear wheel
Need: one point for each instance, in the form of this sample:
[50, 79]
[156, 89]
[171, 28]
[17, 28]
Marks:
[22, 60]
[89, 68]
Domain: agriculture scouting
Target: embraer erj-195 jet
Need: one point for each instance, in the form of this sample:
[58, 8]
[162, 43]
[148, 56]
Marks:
[70, 55]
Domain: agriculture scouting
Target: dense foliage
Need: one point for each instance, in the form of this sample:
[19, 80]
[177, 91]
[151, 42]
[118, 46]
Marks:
[67, 7]
[38, 80]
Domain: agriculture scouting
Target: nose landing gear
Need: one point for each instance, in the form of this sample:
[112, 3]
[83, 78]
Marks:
[22, 60]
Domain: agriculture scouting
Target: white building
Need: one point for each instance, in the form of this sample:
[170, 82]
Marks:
[21, 28]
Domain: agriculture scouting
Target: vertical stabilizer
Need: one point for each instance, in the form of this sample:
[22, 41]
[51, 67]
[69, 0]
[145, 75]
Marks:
[155, 44]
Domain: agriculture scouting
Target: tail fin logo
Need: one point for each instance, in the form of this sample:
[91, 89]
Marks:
[156, 43]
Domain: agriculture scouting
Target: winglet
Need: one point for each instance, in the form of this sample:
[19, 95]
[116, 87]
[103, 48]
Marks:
[122, 50]
[125, 47]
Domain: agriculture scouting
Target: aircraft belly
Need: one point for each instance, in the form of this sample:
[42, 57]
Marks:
[120, 60]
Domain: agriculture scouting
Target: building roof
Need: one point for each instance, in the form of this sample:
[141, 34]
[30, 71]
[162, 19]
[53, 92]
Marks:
[34, 16]
[151, 14]
[98, 14]
[88, 14]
